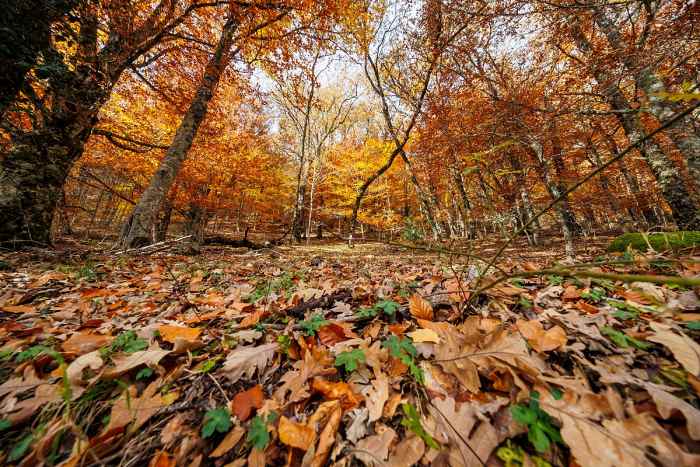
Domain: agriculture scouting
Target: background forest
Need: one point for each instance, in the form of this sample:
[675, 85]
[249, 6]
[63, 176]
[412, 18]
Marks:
[433, 120]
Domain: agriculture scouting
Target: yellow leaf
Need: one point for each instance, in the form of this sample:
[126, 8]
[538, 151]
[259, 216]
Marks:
[424, 335]
[171, 333]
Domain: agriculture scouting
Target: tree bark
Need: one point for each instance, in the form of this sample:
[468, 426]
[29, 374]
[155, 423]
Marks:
[139, 228]
[685, 212]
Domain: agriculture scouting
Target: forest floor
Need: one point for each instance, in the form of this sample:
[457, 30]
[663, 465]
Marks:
[318, 355]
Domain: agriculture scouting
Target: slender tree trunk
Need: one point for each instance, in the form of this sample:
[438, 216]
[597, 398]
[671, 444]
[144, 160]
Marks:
[139, 228]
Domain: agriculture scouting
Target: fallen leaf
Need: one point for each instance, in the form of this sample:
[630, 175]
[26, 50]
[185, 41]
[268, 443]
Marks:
[244, 402]
[420, 307]
[246, 360]
[130, 408]
[252, 319]
[162, 459]
[17, 308]
[230, 440]
[340, 391]
[171, 333]
[295, 434]
[74, 371]
[376, 396]
[82, 342]
[407, 453]
[684, 349]
[150, 357]
[666, 403]
[424, 335]
[376, 447]
[327, 437]
[538, 338]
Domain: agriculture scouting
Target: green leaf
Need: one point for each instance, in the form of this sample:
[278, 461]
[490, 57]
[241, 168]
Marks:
[693, 325]
[411, 420]
[538, 437]
[404, 350]
[556, 393]
[366, 313]
[523, 415]
[144, 373]
[257, 433]
[350, 359]
[623, 340]
[312, 325]
[388, 307]
[20, 449]
[5, 424]
[216, 420]
[127, 342]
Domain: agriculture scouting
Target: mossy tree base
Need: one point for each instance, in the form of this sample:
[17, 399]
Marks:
[662, 241]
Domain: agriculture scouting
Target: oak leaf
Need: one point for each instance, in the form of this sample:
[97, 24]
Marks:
[246, 360]
[340, 391]
[684, 349]
[244, 402]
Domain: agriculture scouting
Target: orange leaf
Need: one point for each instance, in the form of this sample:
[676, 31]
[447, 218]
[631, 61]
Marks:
[244, 402]
[171, 333]
[331, 334]
[571, 293]
[252, 319]
[162, 459]
[295, 434]
[538, 338]
[420, 307]
[337, 391]
[586, 307]
[83, 342]
[17, 309]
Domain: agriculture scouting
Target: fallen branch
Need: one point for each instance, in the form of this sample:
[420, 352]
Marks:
[153, 247]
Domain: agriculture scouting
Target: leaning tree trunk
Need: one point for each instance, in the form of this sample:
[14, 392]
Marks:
[682, 133]
[140, 226]
[685, 212]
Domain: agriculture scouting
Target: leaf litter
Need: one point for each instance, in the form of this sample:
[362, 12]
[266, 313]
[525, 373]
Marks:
[354, 357]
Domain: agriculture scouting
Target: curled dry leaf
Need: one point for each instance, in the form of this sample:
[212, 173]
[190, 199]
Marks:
[74, 371]
[666, 403]
[684, 349]
[295, 434]
[407, 453]
[376, 396]
[327, 436]
[130, 408]
[420, 307]
[538, 338]
[340, 391]
[246, 360]
[150, 358]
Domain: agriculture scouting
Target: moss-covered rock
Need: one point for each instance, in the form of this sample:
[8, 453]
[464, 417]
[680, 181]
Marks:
[658, 241]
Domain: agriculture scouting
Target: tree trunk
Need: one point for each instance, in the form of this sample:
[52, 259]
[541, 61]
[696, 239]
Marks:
[682, 133]
[685, 212]
[139, 228]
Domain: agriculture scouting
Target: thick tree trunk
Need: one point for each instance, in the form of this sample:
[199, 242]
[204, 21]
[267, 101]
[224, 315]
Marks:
[139, 229]
[26, 29]
[683, 132]
[685, 212]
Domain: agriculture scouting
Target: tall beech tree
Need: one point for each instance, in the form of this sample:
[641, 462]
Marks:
[82, 63]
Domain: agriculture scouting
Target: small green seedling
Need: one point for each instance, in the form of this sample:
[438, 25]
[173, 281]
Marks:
[350, 359]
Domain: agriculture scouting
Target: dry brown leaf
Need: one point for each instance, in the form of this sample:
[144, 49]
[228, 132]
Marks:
[230, 440]
[171, 333]
[684, 349]
[244, 402]
[327, 436]
[374, 449]
[150, 358]
[340, 391]
[620, 443]
[17, 384]
[424, 335]
[246, 360]
[538, 338]
[252, 319]
[74, 372]
[23, 410]
[294, 381]
[420, 307]
[376, 396]
[295, 434]
[666, 403]
[83, 342]
[256, 458]
[130, 408]
[407, 453]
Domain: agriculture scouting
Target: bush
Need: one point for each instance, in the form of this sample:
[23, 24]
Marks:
[659, 241]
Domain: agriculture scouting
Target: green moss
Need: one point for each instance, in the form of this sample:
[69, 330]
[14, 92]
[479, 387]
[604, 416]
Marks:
[658, 241]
